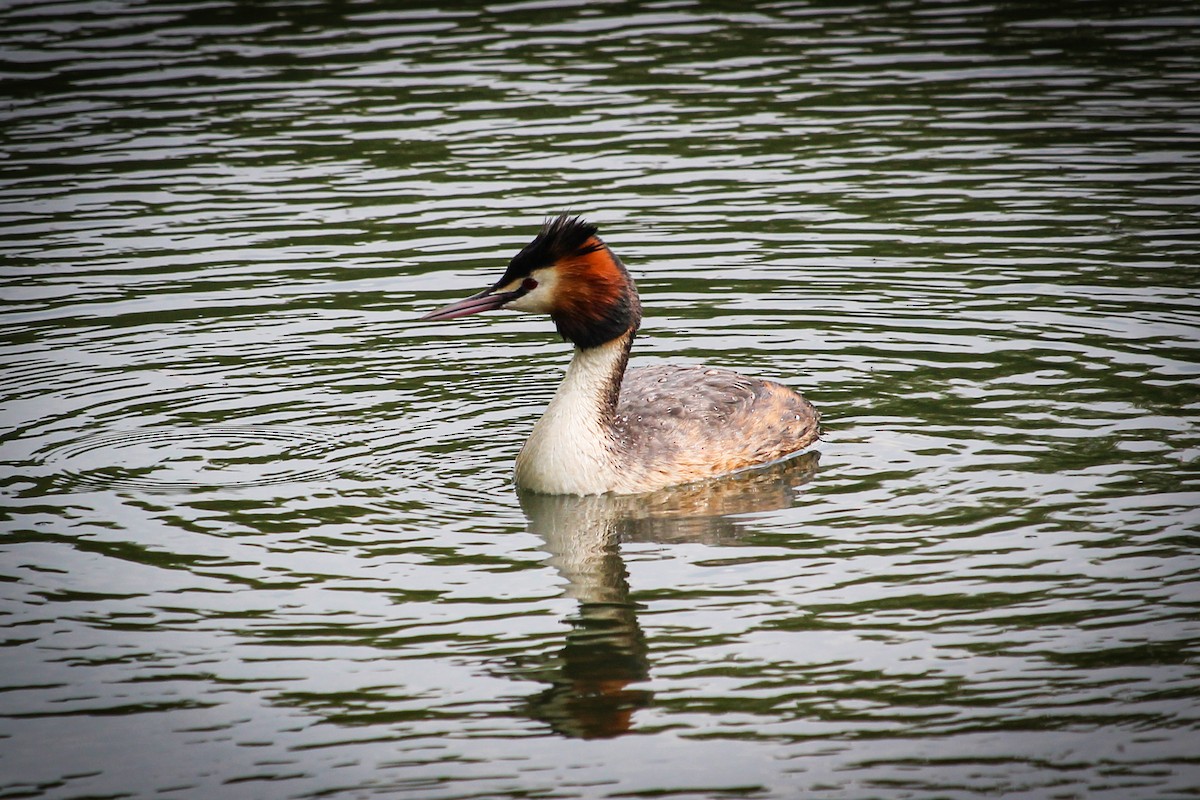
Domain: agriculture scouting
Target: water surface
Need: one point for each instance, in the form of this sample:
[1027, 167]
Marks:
[259, 536]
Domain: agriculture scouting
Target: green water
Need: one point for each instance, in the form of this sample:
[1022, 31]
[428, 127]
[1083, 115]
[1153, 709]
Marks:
[259, 537]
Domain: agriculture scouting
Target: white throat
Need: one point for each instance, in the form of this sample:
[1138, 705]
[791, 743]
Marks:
[571, 449]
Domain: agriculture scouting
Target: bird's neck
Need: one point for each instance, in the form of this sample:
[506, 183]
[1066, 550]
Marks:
[571, 449]
[593, 378]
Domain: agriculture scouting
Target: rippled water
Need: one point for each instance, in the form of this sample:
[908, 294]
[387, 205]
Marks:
[259, 537]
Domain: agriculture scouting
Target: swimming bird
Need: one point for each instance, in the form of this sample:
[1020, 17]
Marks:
[609, 429]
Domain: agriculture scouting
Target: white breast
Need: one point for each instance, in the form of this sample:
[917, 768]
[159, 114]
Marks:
[570, 450]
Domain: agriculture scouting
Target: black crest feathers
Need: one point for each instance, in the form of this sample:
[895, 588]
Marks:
[561, 237]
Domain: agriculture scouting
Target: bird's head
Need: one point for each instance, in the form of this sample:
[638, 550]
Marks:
[568, 273]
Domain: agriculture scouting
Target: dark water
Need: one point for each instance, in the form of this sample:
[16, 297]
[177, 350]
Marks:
[259, 538]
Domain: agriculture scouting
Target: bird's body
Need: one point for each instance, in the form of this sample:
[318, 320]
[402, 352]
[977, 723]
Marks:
[609, 429]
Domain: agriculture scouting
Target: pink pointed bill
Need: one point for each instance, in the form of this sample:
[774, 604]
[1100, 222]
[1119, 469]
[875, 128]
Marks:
[475, 304]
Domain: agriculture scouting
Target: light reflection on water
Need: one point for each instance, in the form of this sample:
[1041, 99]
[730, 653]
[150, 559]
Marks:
[259, 535]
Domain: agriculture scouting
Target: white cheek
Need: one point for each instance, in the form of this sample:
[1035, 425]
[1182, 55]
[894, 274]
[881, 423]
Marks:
[541, 299]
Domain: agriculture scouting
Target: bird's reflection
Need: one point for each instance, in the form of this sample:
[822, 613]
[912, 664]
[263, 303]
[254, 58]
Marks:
[590, 694]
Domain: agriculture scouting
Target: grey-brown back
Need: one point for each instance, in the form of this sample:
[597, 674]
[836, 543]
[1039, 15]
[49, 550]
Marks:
[693, 422]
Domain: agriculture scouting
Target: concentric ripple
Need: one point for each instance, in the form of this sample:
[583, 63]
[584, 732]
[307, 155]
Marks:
[168, 459]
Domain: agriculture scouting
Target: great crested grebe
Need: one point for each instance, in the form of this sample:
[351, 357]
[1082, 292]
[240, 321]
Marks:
[609, 430]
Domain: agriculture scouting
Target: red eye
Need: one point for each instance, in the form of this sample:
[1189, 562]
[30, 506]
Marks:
[528, 285]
